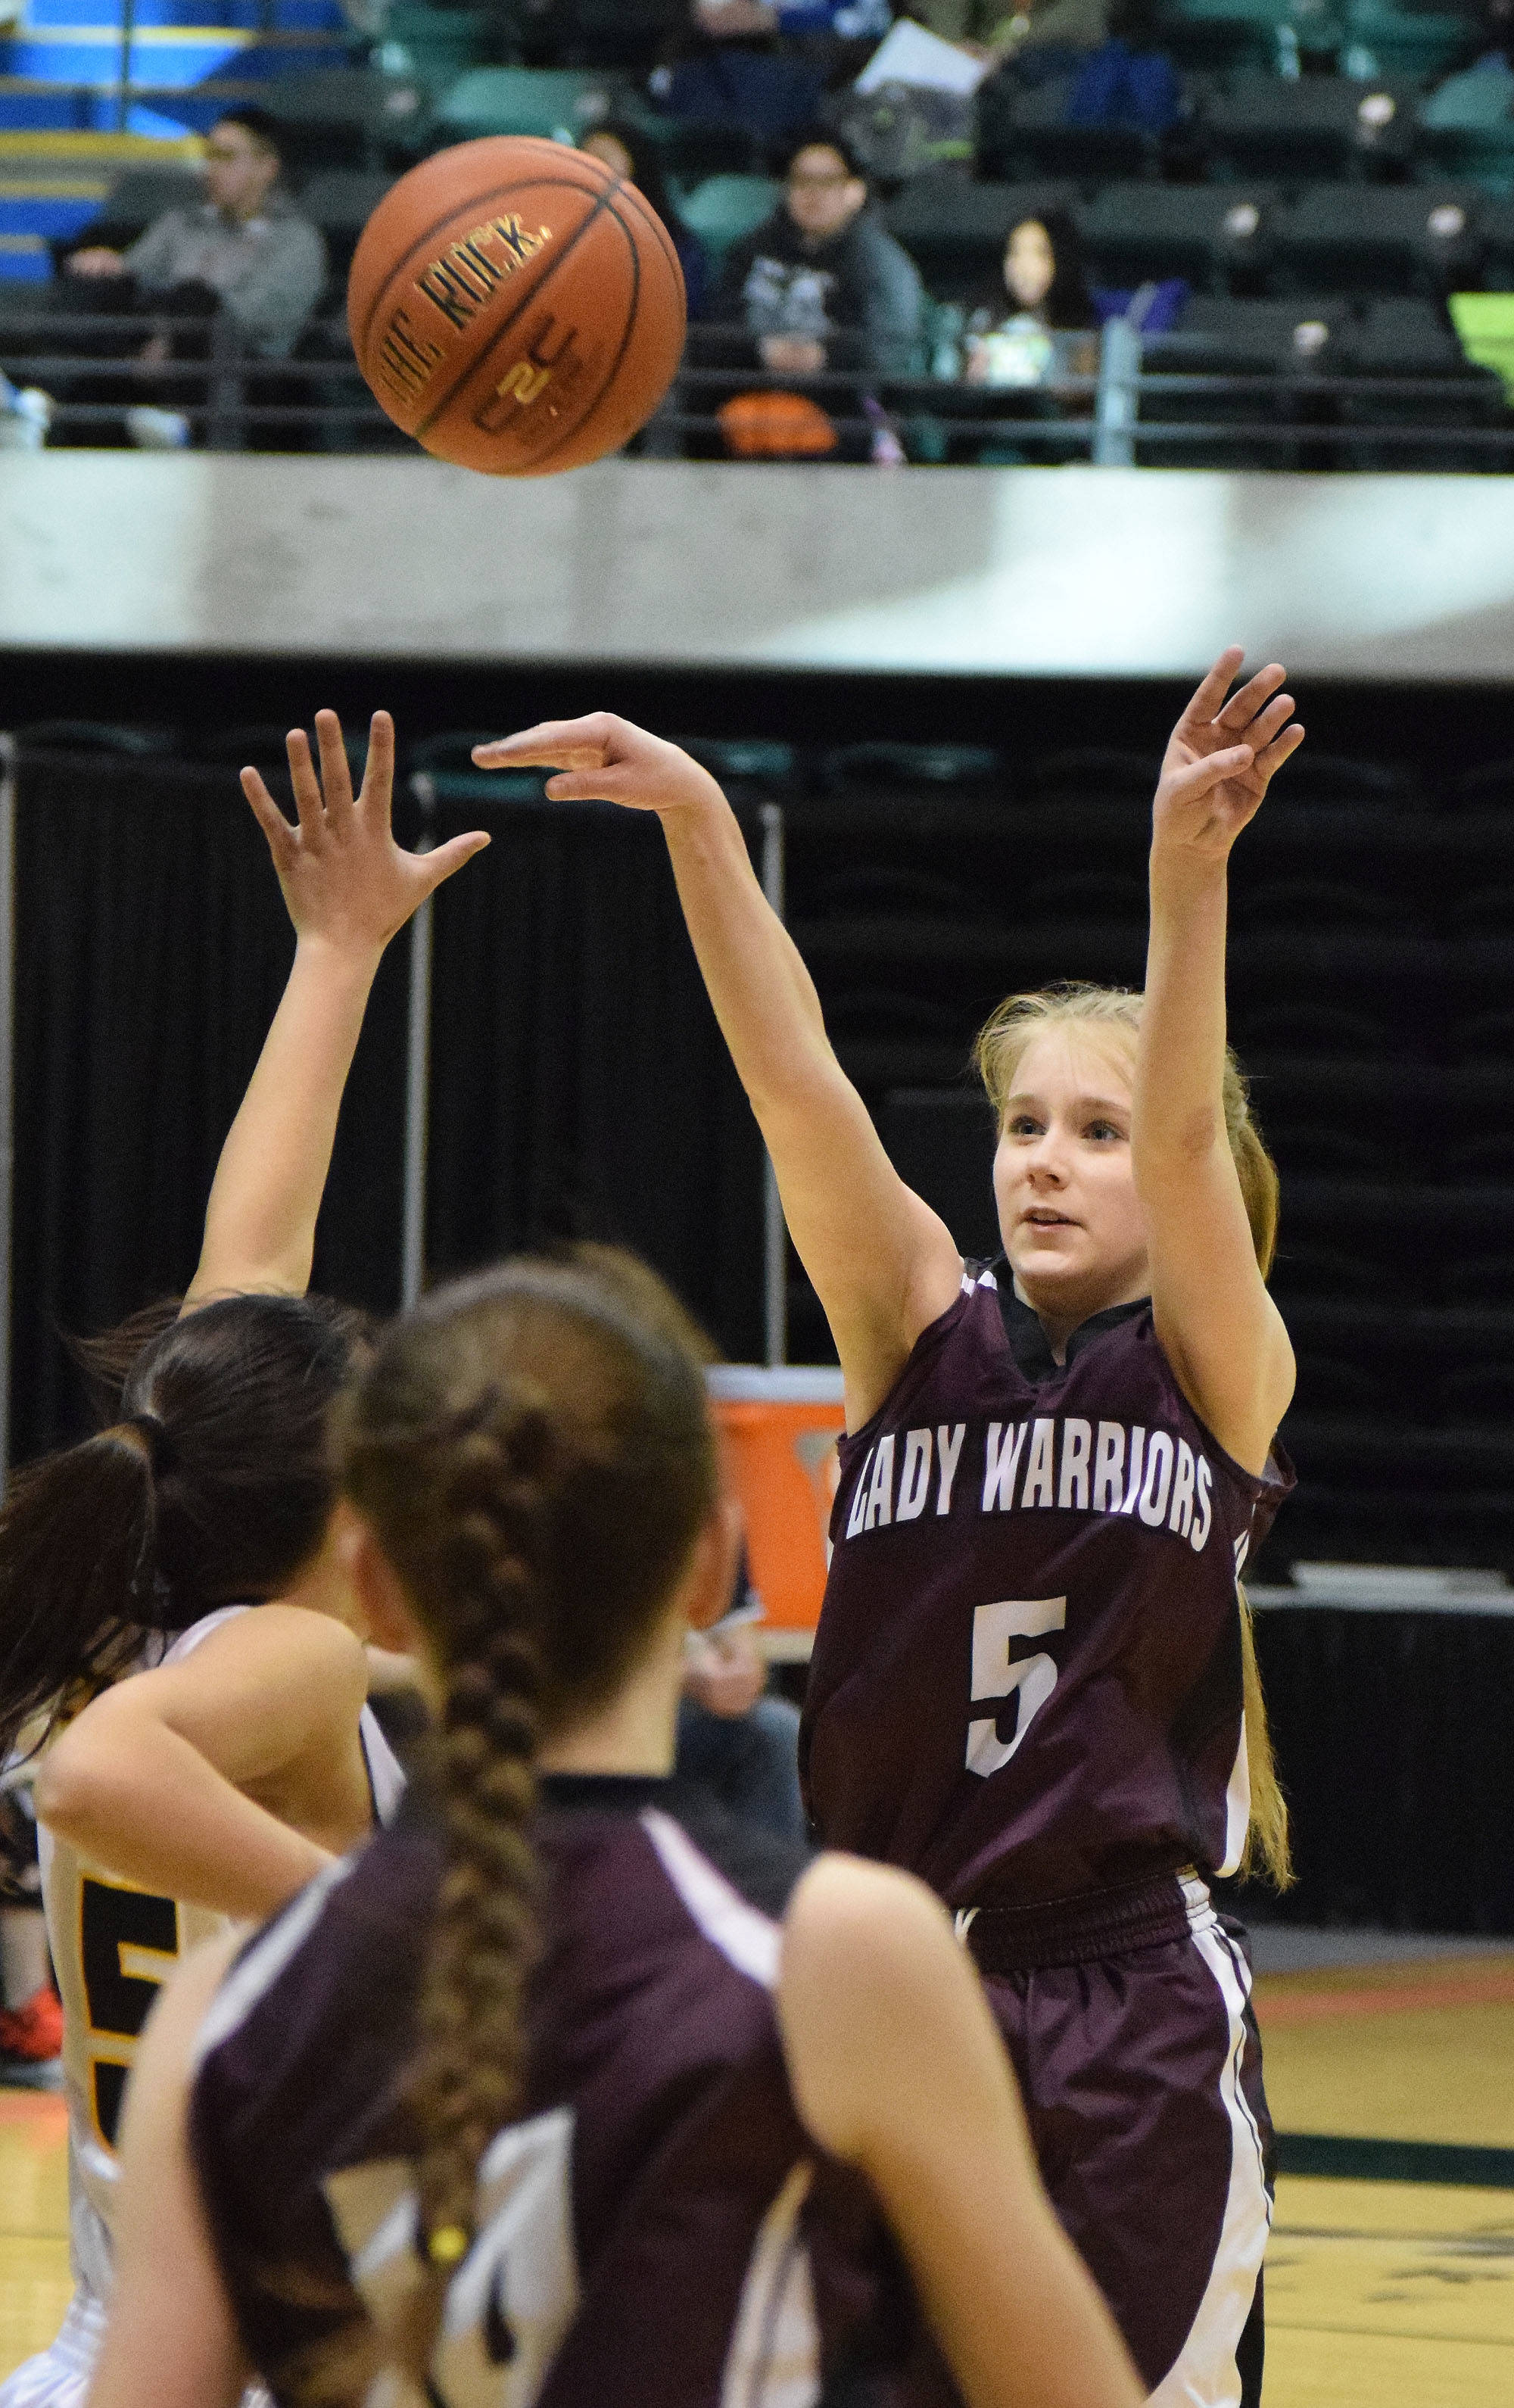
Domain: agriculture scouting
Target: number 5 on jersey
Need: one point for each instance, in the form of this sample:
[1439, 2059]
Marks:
[1033, 1678]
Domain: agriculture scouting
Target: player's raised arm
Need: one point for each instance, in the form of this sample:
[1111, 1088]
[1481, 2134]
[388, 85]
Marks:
[884, 1266]
[897, 2069]
[349, 888]
[1218, 1327]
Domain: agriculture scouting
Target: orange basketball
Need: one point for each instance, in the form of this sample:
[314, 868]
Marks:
[516, 306]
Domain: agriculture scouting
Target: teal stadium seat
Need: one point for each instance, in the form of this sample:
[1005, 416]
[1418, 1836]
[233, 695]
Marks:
[557, 103]
[723, 208]
[1384, 40]
[1467, 128]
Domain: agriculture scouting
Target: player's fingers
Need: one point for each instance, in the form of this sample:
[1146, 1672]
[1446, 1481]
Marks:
[1266, 724]
[378, 769]
[1244, 705]
[450, 856]
[554, 743]
[269, 818]
[306, 787]
[519, 753]
[605, 785]
[1200, 776]
[1212, 692]
[336, 775]
[1271, 758]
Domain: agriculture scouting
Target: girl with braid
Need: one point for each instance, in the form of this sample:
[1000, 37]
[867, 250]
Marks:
[193, 1760]
[568, 2089]
[1031, 1681]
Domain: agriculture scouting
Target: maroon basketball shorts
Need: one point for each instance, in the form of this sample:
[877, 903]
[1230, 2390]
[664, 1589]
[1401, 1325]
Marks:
[1128, 2018]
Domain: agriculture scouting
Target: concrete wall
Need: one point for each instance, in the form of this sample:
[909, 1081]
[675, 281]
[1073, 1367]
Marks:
[1050, 571]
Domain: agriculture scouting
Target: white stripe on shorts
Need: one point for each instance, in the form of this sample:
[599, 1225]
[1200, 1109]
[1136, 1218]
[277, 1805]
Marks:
[1205, 2374]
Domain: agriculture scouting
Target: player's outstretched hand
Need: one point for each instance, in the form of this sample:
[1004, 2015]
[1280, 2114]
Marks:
[345, 881]
[601, 759]
[1221, 757]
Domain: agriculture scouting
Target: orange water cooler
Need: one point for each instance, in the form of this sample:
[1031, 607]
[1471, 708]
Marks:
[780, 1429]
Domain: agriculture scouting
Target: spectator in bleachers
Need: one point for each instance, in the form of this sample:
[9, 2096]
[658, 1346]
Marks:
[730, 67]
[1050, 327]
[625, 150]
[244, 249]
[821, 284]
[1128, 79]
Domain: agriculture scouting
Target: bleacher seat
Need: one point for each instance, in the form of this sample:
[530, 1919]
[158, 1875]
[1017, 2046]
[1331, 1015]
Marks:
[346, 117]
[554, 103]
[1382, 40]
[1036, 139]
[1379, 238]
[889, 771]
[1207, 35]
[1295, 128]
[1467, 128]
[1214, 235]
[1411, 339]
[955, 232]
[341, 202]
[725, 209]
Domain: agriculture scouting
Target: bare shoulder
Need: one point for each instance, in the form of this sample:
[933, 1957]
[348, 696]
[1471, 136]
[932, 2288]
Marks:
[292, 1635]
[305, 1670]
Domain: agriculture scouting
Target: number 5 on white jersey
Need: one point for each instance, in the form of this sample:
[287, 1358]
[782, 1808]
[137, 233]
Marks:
[994, 1676]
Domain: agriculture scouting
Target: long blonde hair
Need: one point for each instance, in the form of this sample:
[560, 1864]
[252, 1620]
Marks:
[1113, 1014]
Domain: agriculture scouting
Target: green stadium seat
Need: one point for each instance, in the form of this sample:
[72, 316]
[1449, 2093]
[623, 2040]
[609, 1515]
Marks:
[1213, 235]
[1381, 40]
[557, 103]
[1379, 238]
[1301, 128]
[723, 208]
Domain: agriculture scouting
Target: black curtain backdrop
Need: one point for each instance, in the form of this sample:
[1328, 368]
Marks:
[1392, 1732]
[151, 947]
[581, 1087]
[580, 1084]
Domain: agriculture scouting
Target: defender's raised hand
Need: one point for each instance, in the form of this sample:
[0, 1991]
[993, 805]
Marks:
[345, 880]
[1221, 757]
[604, 759]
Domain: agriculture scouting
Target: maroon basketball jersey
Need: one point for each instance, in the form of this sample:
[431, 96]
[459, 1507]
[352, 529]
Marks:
[1026, 1681]
[655, 2229]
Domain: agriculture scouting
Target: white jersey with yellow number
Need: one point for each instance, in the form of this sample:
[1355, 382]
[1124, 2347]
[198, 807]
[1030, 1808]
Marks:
[113, 1944]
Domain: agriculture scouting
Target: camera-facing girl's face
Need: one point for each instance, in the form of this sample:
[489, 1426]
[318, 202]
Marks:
[1030, 265]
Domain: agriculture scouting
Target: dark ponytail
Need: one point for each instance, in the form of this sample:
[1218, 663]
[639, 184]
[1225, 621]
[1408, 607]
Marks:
[535, 1458]
[212, 1485]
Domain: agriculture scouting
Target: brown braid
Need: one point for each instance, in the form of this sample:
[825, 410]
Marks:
[533, 1457]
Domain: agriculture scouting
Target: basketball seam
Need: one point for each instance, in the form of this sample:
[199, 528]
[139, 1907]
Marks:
[540, 458]
[447, 399]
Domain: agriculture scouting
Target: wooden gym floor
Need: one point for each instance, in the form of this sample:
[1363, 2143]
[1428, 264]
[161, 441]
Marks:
[1385, 2289]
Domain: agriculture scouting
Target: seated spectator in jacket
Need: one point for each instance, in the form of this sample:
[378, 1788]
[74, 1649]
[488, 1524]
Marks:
[730, 67]
[245, 248]
[1051, 326]
[822, 284]
[626, 150]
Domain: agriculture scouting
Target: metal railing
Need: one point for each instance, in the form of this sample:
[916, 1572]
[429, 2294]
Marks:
[233, 400]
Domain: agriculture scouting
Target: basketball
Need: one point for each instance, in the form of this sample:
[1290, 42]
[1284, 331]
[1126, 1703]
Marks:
[516, 306]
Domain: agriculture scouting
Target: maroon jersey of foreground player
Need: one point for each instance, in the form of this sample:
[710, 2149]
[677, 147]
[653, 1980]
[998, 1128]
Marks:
[1026, 1681]
[655, 2228]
